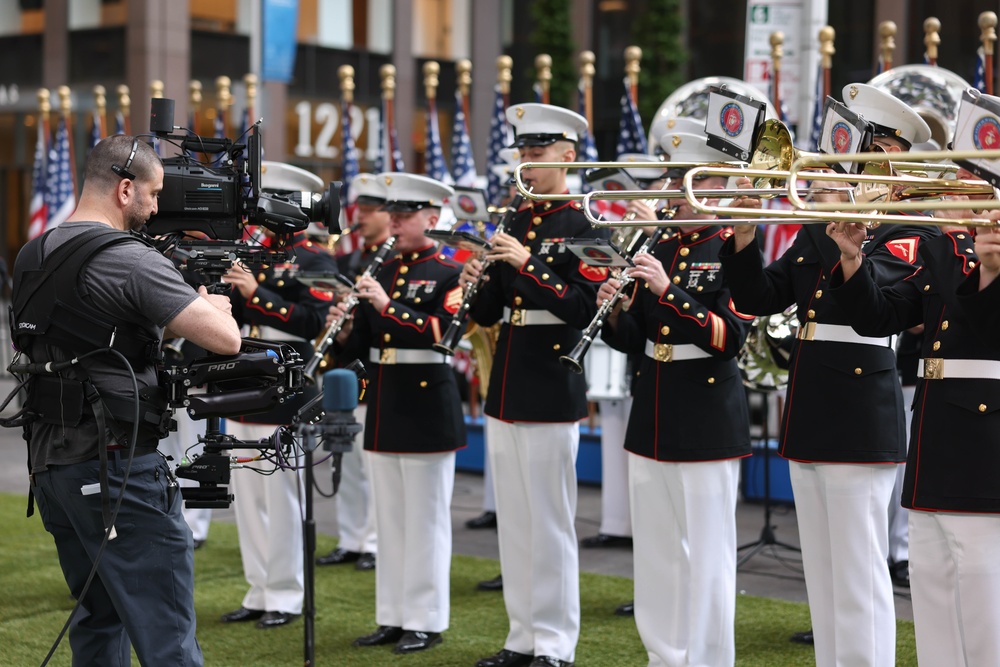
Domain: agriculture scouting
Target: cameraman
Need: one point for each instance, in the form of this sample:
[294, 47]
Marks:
[143, 592]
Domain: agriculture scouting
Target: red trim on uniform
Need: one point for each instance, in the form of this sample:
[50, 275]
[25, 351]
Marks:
[410, 322]
[742, 316]
[322, 295]
[904, 248]
[531, 274]
[272, 313]
[718, 332]
[965, 257]
[436, 328]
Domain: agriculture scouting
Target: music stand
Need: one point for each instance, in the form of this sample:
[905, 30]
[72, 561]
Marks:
[767, 538]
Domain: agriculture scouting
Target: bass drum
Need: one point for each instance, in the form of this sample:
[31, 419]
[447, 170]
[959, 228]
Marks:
[691, 101]
[606, 372]
[764, 357]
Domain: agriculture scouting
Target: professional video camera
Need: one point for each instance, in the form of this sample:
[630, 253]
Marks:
[219, 198]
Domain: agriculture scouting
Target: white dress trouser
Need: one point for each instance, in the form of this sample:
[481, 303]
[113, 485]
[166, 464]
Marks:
[413, 518]
[684, 528]
[616, 517]
[899, 532]
[842, 513]
[355, 509]
[489, 494]
[535, 469]
[955, 587]
[269, 523]
[177, 445]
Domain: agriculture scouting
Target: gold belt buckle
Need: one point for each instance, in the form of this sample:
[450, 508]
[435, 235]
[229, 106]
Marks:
[388, 356]
[517, 317]
[934, 369]
[807, 331]
[663, 352]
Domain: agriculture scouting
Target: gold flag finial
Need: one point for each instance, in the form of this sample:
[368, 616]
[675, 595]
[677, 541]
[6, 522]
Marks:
[156, 88]
[223, 93]
[250, 82]
[463, 70]
[44, 101]
[504, 66]
[124, 101]
[988, 33]
[777, 40]
[826, 50]
[388, 74]
[100, 99]
[633, 56]
[931, 37]
[194, 94]
[543, 69]
[431, 71]
[887, 33]
[65, 100]
[587, 69]
[346, 75]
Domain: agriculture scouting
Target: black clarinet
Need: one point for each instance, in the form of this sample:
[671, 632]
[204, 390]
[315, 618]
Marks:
[574, 360]
[350, 303]
[449, 341]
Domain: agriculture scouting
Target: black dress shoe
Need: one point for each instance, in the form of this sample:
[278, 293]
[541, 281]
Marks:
[273, 619]
[365, 562]
[413, 641]
[484, 520]
[602, 540]
[899, 572]
[506, 658]
[242, 614]
[339, 556]
[627, 609]
[494, 584]
[549, 661]
[384, 634]
[803, 637]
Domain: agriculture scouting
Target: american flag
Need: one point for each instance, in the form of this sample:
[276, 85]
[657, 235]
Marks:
[463, 165]
[499, 139]
[631, 138]
[60, 196]
[350, 167]
[537, 88]
[387, 135]
[96, 129]
[588, 150]
[37, 210]
[979, 78]
[434, 165]
[119, 123]
[815, 134]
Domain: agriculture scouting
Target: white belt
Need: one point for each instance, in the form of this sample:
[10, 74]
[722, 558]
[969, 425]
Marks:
[667, 352]
[839, 333]
[265, 332]
[964, 369]
[395, 355]
[522, 317]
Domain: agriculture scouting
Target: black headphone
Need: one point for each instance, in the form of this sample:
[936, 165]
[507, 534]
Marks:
[124, 171]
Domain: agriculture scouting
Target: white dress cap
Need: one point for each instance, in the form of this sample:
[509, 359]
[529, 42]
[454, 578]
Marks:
[663, 124]
[367, 189]
[643, 173]
[891, 116]
[282, 177]
[412, 192]
[543, 124]
[688, 147]
[510, 158]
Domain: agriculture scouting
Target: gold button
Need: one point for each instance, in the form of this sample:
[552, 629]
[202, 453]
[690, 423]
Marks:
[530, 268]
[420, 323]
[548, 205]
[646, 285]
[386, 338]
[392, 310]
[558, 286]
[423, 383]
[701, 316]
[686, 305]
[811, 313]
[261, 277]
[557, 347]
[281, 283]
[532, 235]
[857, 371]
[694, 237]
[415, 255]
[518, 301]
[527, 248]
[549, 259]
[982, 407]
[682, 266]
[968, 251]
[256, 299]
[961, 236]
[400, 282]
[670, 297]
[819, 294]
[283, 311]
[405, 316]
[545, 276]
[403, 270]
[711, 380]
[700, 288]
[395, 295]
[268, 305]
[677, 280]
[927, 288]
[417, 300]
[685, 252]
[936, 346]
[944, 325]
[537, 220]
[799, 260]
[972, 265]
[665, 330]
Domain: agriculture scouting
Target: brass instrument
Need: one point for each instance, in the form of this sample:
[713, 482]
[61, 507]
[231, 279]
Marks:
[350, 303]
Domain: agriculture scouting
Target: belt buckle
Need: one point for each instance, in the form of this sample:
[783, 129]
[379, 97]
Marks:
[934, 369]
[518, 317]
[388, 356]
[663, 352]
[807, 331]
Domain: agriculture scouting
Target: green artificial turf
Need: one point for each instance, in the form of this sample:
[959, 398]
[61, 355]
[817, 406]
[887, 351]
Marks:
[34, 604]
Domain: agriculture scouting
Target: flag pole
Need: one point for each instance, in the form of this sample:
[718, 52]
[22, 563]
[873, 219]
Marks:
[633, 56]
[587, 71]
[463, 68]
[223, 98]
[250, 81]
[101, 107]
[988, 35]
[388, 74]
[66, 108]
[345, 73]
[431, 70]
[777, 40]
[543, 68]
[504, 66]
[125, 108]
[887, 33]
[826, 51]
[931, 40]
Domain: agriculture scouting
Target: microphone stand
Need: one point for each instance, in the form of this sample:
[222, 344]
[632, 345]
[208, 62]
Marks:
[307, 437]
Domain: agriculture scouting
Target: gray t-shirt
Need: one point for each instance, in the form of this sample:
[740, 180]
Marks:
[126, 282]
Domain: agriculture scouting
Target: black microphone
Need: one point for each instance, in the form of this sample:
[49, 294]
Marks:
[42, 368]
[338, 427]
